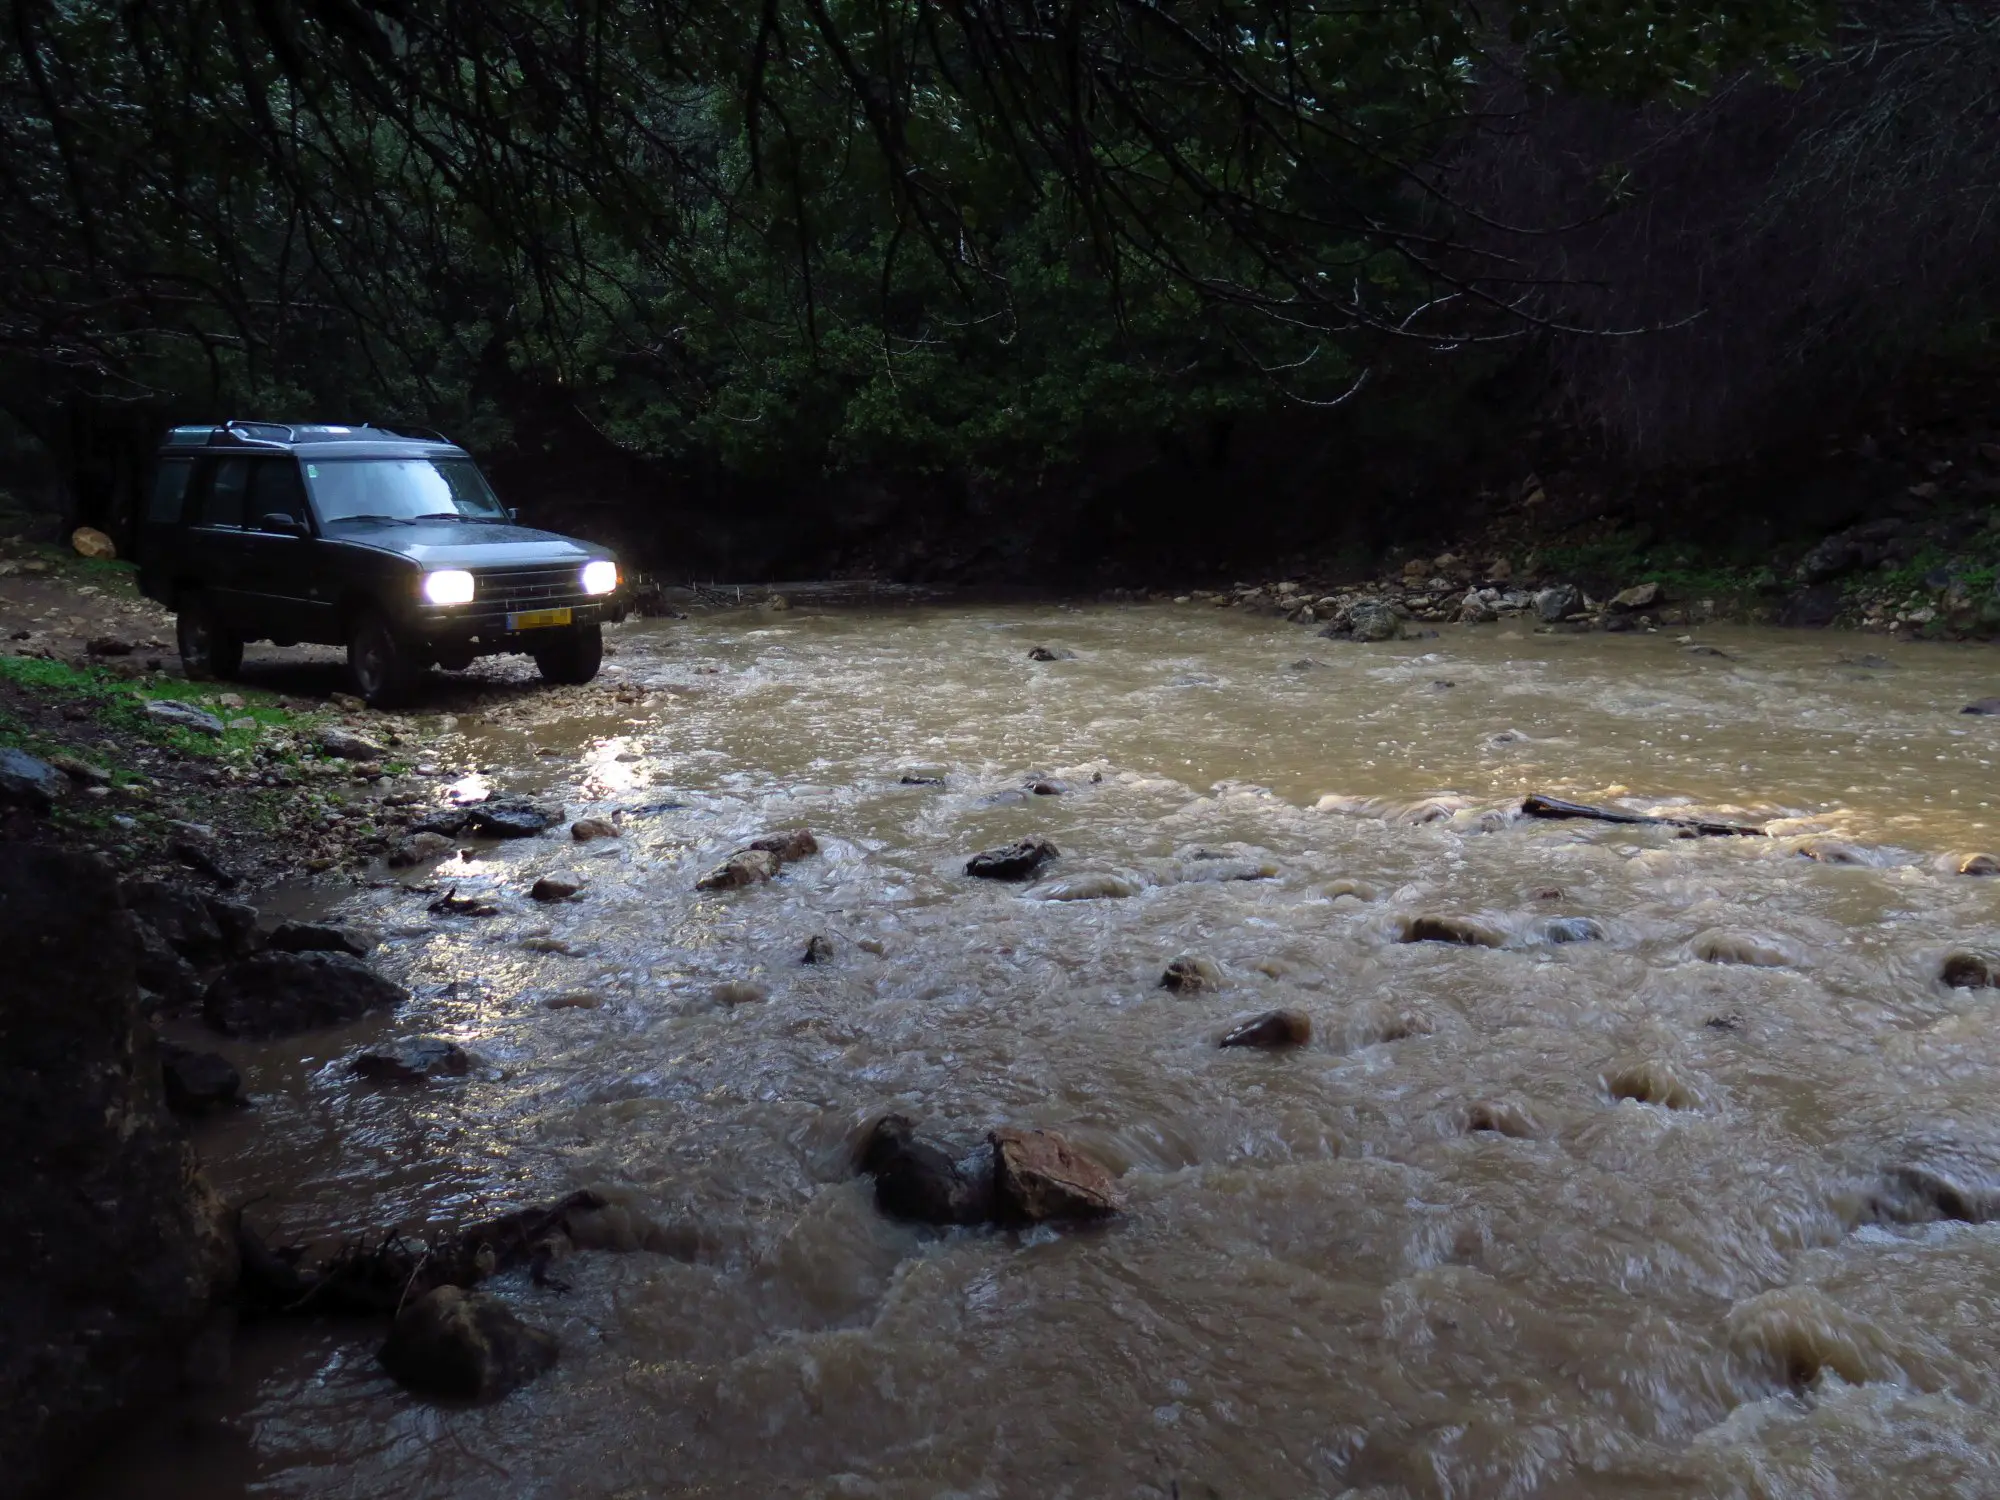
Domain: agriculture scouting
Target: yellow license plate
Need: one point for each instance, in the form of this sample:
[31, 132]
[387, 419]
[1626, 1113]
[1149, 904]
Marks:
[531, 619]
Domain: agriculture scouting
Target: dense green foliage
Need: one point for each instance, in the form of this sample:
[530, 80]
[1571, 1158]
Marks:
[788, 237]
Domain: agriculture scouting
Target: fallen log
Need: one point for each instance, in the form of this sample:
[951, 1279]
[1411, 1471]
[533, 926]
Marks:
[1534, 805]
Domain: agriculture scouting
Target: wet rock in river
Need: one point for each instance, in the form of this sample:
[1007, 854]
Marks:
[745, 868]
[1358, 890]
[1502, 1117]
[412, 1060]
[168, 979]
[1651, 1082]
[919, 1180]
[574, 1000]
[451, 904]
[275, 994]
[584, 830]
[465, 1345]
[1095, 885]
[1014, 862]
[197, 1082]
[819, 949]
[1834, 852]
[509, 820]
[1969, 971]
[787, 844]
[734, 992]
[319, 937]
[1191, 974]
[1465, 931]
[1370, 622]
[1275, 1028]
[560, 886]
[345, 744]
[1720, 946]
[1044, 653]
[1943, 1177]
[419, 849]
[1038, 1177]
[1573, 930]
[1978, 864]
[922, 781]
[1983, 706]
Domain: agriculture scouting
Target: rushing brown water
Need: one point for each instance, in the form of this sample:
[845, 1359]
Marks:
[1327, 1283]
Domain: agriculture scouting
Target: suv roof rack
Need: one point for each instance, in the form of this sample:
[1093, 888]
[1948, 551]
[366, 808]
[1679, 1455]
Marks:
[238, 432]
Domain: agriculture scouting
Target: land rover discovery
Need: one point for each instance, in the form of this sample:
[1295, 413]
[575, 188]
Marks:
[386, 542]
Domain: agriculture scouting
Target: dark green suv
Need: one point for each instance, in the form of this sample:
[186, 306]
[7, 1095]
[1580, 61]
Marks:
[388, 543]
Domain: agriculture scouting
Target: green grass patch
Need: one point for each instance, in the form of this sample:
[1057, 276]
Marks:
[118, 704]
[1623, 561]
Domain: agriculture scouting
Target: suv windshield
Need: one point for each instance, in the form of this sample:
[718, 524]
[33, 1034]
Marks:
[401, 489]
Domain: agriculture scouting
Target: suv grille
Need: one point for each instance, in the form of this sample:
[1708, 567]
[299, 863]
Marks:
[525, 588]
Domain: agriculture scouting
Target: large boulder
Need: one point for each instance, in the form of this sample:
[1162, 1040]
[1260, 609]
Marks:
[180, 916]
[1559, 602]
[275, 994]
[465, 1345]
[1370, 620]
[319, 937]
[117, 1248]
[1014, 862]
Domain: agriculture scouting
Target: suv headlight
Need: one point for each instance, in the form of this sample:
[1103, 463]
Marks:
[448, 586]
[600, 577]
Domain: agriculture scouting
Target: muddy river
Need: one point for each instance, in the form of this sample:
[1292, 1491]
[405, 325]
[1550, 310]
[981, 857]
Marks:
[1668, 1271]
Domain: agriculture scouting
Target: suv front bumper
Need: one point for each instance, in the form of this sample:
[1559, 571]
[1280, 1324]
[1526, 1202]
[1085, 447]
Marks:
[488, 628]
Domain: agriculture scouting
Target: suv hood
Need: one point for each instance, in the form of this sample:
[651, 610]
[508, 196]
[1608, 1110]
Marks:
[466, 544]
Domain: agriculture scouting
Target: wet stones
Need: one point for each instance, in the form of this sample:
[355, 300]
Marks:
[1651, 1082]
[585, 830]
[412, 1061]
[1721, 946]
[919, 1180]
[1046, 653]
[1191, 974]
[1983, 706]
[745, 868]
[1978, 864]
[1358, 890]
[1969, 971]
[819, 949]
[276, 994]
[419, 849]
[1013, 862]
[451, 904]
[1466, 932]
[788, 844]
[345, 744]
[1371, 622]
[465, 1345]
[509, 820]
[1573, 930]
[198, 1082]
[734, 992]
[1939, 1178]
[1273, 1029]
[1640, 596]
[1502, 1117]
[760, 861]
[574, 1000]
[1038, 1177]
[561, 886]
[1018, 1177]
[319, 937]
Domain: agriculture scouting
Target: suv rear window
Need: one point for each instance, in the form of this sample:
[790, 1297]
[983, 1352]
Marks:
[221, 501]
[170, 484]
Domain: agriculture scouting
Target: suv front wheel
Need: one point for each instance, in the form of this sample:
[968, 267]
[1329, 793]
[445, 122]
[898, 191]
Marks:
[385, 673]
[210, 650]
[573, 656]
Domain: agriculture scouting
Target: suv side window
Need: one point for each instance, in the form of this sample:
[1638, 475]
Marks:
[275, 485]
[170, 485]
[222, 497]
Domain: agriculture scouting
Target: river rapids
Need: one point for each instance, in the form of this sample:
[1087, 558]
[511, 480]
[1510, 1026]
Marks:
[1688, 1207]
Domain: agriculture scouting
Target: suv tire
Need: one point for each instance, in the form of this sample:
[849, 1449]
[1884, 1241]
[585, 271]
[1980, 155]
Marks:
[573, 657]
[384, 672]
[210, 650]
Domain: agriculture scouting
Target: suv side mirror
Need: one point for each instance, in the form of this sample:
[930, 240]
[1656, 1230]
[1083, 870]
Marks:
[282, 524]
